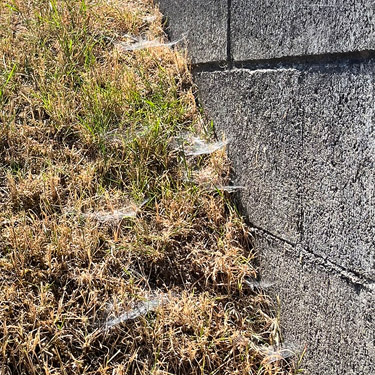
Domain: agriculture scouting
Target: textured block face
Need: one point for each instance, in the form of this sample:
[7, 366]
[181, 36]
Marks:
[320, 310]
[303, 144]
[203, 23]
[268, 29]
[339, 166]
[255, 111]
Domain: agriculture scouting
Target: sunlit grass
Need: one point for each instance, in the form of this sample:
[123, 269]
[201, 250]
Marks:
[101, 211]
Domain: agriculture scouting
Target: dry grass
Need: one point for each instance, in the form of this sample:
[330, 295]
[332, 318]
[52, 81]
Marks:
[102, 218]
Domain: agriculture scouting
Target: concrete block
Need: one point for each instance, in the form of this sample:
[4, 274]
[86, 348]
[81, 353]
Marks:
[333, 318]
[303, 144]
[264, 29]
[339, 166]
[203, 22]
[255, 111]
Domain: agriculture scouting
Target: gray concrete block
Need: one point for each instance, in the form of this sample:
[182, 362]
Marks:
[339, 166]
[255, 111]
[303, 145]
[334, 319]
[264, 29]
[203, 22]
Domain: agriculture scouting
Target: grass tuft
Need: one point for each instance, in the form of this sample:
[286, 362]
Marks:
[115, 256]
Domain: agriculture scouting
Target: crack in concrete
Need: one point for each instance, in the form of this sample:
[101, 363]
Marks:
[273, 235]
[351, 276]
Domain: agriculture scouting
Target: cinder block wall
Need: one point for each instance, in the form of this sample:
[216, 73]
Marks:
[291, 84]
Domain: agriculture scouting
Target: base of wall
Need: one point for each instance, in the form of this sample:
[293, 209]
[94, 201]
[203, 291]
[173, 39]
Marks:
[332, 317]
[291, 85]
[302, 144]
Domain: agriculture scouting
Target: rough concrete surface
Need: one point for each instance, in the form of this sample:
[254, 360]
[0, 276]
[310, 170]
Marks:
[203, 23]
[302, 142]
[276, 28]
[265, 144]
[339, 165]
[333, 318]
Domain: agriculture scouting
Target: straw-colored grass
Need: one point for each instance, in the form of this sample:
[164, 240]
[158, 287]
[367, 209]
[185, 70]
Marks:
[118, 254]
